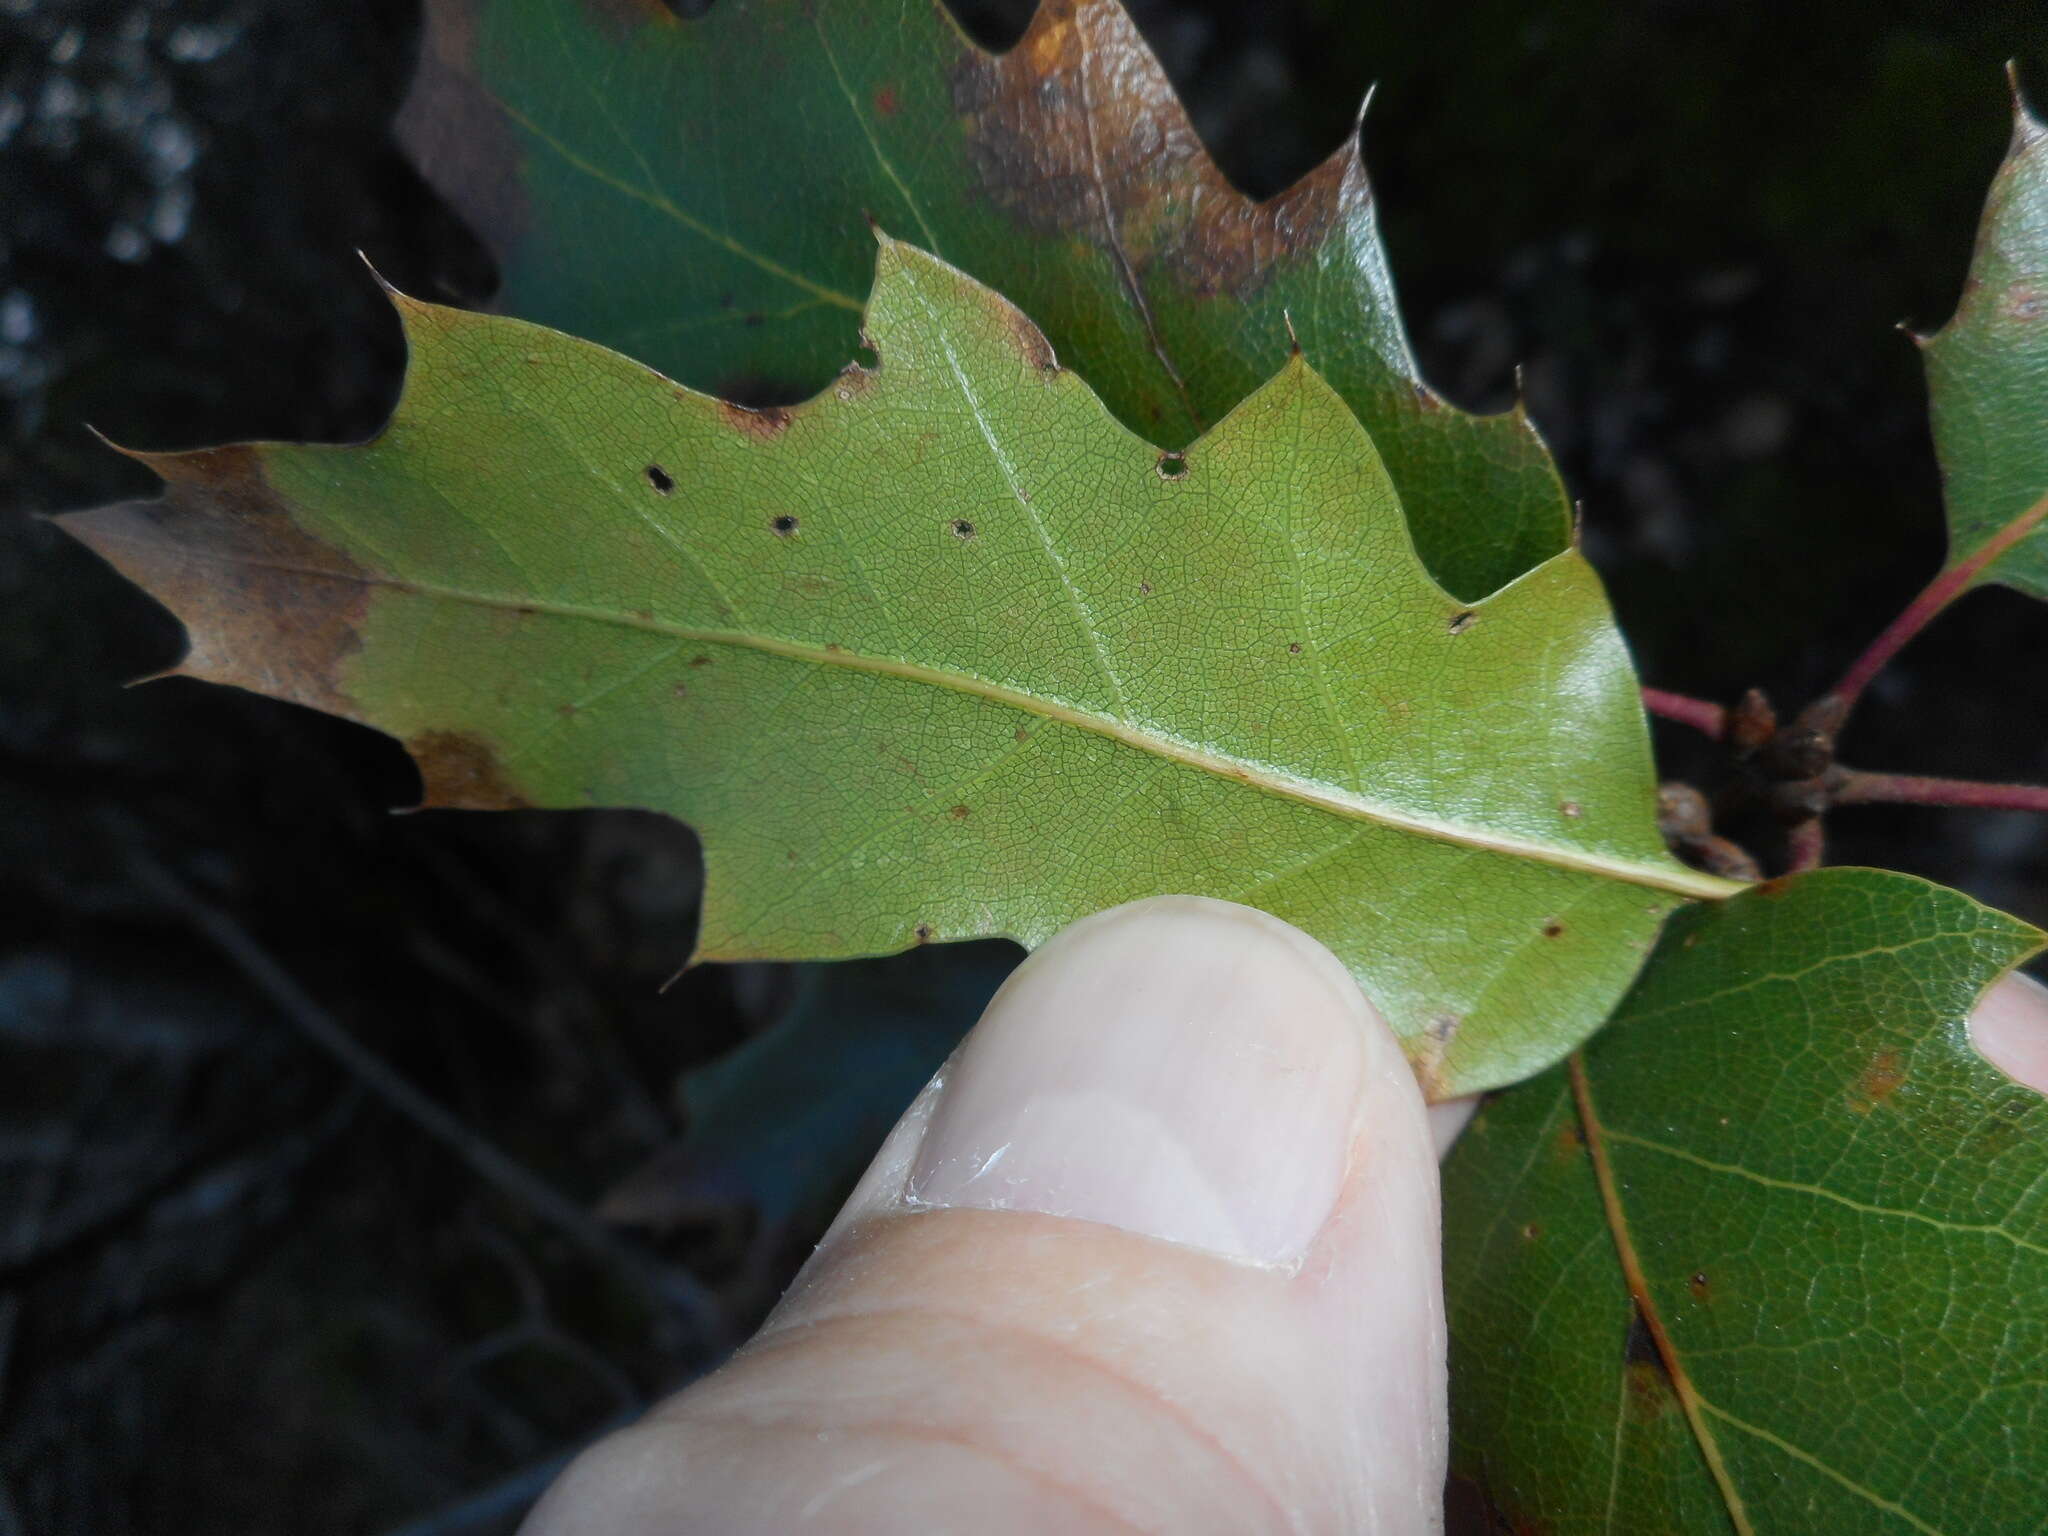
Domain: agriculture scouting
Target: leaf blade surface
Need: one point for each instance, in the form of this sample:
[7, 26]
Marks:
[948, 652]
[1987, 380]
[716, 176]
[1837, 1211]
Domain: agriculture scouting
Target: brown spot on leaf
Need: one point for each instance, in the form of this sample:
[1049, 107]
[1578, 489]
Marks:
[2024, 304]
[1776, 886]
[1294, 648]
[1030, 341]
[887, 104]
[1570, 810]
[265, 605]
[460, 772]
[1531, 1231]
[1075, 132]
[1648, 1391]
[1020, 734]
[1460, 622]
[1877, 1082]
[1701, 1290]
[923, 932]
[1569, 1143]
[1426, 1053]
[958, 813]
[763, 423]
[1553, 929]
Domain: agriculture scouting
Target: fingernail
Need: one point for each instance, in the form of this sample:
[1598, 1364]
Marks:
[2010, 1030]
[1179, 1067]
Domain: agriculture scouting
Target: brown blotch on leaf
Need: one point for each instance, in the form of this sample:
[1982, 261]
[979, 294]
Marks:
[763, 423]
[887, 103]
[1701, 1290]
[1020, 734]
[959, 813]
[1031, 342]
[1775, 886]
[700, 661]
[265, 605]
[1426, 1053]
[1877, 1082]
[1532, 1231]
[1294, 648]
[855, 380]
[460, 772]
[1569, 1143]
[1553, 929]
[1075, 132]
[1648, 1391]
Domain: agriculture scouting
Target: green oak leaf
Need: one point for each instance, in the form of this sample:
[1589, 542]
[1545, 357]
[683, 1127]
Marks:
[1838, 1218]
[1987, 380]
[696, 195]
[948, 652]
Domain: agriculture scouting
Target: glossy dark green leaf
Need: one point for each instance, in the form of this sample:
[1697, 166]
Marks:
[697, 194]
[1839, 1218]
[1987, 380]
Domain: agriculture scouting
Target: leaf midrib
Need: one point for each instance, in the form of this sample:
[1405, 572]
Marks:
[1332, 799]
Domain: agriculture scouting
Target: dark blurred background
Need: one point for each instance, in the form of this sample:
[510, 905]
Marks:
[353, 1168]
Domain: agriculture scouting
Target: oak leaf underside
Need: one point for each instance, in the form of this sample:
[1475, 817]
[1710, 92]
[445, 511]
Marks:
[1987, 380]
[946, 652]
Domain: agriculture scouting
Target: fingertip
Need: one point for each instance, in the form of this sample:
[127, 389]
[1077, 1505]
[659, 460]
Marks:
[2009, 1029]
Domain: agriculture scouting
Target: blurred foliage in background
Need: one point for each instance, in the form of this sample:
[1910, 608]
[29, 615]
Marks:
[241, 1289]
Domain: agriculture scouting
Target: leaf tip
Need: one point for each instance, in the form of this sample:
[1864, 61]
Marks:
[1364, 106]
[2026, 126]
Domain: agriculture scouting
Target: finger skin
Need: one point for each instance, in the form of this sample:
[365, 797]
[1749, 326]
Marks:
[986, 1371]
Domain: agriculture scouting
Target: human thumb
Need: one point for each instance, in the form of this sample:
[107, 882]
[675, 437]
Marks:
[1156, 1251]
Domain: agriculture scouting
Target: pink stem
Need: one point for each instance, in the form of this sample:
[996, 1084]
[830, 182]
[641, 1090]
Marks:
[1805, 845]
[1935, 596]
[1854, 787]
[1709, 719]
